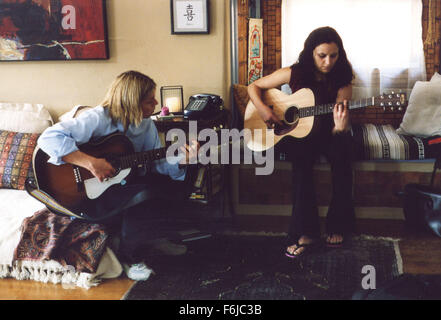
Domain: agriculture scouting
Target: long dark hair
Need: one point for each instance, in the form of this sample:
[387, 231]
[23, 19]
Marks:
[303, 75]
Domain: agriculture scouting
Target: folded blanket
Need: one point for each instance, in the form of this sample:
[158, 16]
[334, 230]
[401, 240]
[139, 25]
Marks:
[382, 142]
[75, 244]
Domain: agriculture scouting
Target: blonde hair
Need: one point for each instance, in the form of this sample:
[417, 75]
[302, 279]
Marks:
[124, 97]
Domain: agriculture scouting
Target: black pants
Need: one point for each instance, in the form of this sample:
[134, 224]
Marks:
[158, 203]
[338, 149]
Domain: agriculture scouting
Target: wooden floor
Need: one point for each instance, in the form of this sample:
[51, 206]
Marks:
[113, 289]
[420, 253]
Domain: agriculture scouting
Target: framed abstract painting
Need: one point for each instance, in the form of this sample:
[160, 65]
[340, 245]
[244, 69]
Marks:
[53, 30]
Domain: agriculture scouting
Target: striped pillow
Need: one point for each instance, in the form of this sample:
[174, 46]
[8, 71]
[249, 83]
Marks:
[16, 151]
[382, 142]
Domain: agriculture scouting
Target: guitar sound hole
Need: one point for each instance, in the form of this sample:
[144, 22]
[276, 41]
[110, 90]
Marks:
[290, 121]
[291, 115]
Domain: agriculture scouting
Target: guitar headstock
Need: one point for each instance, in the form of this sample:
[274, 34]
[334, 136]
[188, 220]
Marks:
[391, 100]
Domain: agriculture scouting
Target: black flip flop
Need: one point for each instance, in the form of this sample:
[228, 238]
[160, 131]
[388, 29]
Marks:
[308, 247]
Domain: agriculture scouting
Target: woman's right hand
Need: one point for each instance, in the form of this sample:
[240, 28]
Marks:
[269, 117]
[274, 80]
[101, 169]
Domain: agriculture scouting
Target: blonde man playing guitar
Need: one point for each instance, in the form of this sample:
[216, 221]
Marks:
[322, 67]
[120, 123]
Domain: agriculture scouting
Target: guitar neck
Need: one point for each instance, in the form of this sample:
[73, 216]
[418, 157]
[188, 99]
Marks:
[140, 158]
[329, 108]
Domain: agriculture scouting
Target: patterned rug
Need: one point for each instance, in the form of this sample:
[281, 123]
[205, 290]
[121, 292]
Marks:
[237, 267]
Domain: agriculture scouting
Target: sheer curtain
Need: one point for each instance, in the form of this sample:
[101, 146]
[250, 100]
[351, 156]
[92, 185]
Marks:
[382, 39]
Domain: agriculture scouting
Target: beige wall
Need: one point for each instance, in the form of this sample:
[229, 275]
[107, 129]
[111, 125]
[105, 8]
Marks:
[139, 39]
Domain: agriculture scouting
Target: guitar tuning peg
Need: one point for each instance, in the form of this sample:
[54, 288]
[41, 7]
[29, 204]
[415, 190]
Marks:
[393, 92]
[391, 108]
[400, 108]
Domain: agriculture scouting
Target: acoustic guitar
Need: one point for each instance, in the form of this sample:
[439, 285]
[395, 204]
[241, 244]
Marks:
[297, 112]
[71, 186]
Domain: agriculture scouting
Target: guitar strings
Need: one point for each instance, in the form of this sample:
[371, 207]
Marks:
[328, 108]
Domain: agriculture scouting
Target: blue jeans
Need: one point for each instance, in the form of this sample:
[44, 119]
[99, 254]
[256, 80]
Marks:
[148, 215]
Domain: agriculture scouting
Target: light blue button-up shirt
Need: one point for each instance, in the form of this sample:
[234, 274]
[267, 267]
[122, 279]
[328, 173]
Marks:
[64, 137]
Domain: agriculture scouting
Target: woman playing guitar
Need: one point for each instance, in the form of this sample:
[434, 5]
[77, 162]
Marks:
[324, 68]
[126, 109]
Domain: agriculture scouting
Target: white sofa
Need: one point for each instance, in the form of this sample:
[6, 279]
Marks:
[18, 205]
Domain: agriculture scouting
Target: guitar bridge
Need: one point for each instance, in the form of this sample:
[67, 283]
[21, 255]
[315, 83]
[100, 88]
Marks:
[78, 179]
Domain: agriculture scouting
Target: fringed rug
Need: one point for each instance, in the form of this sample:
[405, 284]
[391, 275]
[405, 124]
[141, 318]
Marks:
[250, 267]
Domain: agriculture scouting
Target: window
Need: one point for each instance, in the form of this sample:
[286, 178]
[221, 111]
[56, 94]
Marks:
[382, 39]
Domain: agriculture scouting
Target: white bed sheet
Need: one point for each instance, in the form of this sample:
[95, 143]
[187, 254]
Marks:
[16, 205]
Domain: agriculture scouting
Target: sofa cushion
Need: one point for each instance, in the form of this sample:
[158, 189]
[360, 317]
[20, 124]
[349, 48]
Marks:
[423, 114]
[382, 142]
[436, 78]
[241, 98]
[24, 117]
[16, 150]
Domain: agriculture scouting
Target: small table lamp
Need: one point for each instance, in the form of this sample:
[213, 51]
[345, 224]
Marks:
[172, 97]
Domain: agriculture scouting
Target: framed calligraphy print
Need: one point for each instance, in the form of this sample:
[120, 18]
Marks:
[190, 16]
[53, 30]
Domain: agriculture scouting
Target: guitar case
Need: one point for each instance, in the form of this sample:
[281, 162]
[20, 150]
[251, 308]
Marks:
[422, 203]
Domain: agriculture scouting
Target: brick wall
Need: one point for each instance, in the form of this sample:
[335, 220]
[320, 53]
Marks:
[272, 41]
[378, 115]
[271, 13]
[242, 33]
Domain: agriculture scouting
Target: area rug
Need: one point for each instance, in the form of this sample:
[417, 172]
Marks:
[250, 267]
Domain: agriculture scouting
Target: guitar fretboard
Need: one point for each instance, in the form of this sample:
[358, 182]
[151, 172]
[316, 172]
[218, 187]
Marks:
[328, 108]
[140, 158]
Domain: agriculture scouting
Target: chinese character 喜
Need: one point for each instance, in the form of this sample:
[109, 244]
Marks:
[190, 13]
